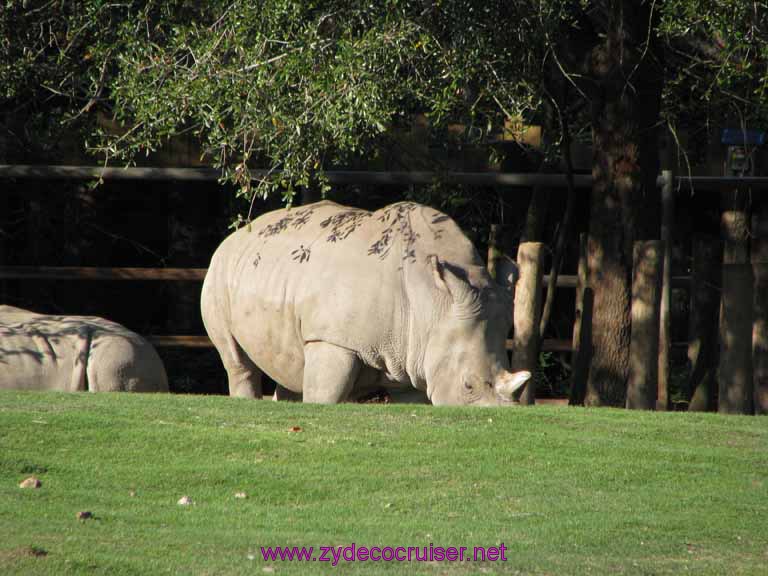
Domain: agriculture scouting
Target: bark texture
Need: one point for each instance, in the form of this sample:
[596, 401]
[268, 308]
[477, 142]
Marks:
[625, 101]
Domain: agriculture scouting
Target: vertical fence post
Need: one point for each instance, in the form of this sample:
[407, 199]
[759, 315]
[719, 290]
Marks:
[735, 374]
[644, 343]
[527, 314]
[667, 222]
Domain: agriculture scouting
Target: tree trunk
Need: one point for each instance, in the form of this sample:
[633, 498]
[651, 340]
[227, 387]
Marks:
[703, 345]
[581, 325]
[735, 374]
[760, 312]
[625, 101]
[644, 346]
[525, 347]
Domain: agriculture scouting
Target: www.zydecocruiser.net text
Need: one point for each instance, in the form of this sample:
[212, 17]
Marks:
[355, 553]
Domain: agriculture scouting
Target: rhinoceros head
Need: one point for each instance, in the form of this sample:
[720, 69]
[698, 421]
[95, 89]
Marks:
[465, 359]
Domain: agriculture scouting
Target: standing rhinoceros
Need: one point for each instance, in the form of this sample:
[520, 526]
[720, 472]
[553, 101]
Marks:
[332, 302]
[75, 353]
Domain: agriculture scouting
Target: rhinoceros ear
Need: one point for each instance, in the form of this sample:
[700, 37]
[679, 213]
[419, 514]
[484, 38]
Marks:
[437, 272]
[447, 279]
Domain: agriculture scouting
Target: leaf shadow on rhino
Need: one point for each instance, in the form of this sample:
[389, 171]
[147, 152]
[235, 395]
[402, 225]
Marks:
[396, 218]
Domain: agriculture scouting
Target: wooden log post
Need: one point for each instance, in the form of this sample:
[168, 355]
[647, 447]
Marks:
[665, 329]
[735, 374]
[644, 341]
[581, 329]
[760, 311]
[527, 314]
[703, 344]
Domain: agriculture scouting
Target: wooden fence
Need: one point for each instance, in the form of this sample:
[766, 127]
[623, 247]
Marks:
[47, 172]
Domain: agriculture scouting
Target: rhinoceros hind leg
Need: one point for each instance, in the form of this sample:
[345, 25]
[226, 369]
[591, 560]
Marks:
[243, 376]
[329, 373]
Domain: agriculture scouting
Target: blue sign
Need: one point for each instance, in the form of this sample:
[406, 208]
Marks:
[739, 137]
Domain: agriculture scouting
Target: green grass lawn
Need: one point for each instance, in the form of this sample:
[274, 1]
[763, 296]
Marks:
[566, 490]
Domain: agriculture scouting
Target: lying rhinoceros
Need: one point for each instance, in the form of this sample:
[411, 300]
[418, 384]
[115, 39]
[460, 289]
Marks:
[332, 302]
[75, 353]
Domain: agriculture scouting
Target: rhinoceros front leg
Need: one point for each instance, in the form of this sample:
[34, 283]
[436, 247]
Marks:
[329, 373]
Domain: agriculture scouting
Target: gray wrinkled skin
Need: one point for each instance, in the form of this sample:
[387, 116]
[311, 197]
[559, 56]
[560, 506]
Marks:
[75, 353]
[334, 302]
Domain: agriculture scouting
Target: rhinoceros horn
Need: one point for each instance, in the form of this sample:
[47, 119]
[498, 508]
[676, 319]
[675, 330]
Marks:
[507, 383]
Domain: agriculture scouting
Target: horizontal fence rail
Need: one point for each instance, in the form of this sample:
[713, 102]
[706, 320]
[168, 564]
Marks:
[203, 174]
[91, 273]
[189, 341]
[51, 172]
[179, 341]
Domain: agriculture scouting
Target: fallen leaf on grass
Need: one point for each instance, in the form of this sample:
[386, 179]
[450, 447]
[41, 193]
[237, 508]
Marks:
[241, 495]
[185, 501]
[85, 515]
[295, 429]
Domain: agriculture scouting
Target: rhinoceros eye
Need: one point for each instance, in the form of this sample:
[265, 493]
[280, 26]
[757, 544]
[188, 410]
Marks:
[467, 385]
